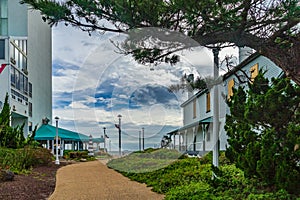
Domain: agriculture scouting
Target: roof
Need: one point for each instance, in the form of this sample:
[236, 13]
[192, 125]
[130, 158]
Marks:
[48, 132]
[202, 121]
[241, 65]
[198, 94]
[225, 76]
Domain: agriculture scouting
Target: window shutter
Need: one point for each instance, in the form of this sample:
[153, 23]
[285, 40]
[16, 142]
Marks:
[208, 102]
[254, 71]
[230, 88]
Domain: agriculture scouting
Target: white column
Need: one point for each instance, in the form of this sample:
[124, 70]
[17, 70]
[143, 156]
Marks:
[62, 147]
[52, 151]
[179, 142]
[48, 145]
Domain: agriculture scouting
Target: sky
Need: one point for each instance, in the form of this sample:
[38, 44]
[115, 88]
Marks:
[93, 84]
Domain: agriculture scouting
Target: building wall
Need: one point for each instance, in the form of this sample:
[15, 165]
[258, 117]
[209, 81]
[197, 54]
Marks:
[36, 47]
[17, 19]
[40, 67]
[188, 107]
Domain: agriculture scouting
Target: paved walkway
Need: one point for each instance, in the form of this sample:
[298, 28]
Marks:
[94, 180]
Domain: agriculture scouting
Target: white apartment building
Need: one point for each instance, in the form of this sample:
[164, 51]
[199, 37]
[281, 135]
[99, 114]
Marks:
[26, 64]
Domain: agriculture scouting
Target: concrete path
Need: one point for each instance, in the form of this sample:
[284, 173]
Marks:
[94, 180]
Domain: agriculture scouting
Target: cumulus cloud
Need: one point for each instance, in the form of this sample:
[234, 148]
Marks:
[92, 84]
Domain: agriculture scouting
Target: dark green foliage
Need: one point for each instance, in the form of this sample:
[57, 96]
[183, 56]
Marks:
[264, 132]
[10, 137]
[78, 155]
[269, 27]
[20, 160]
[193, 191]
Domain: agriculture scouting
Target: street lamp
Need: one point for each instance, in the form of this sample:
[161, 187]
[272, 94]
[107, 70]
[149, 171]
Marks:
[216, 109]
[56, 160]
[104, 136]
[119, 116]
[143, 138]
[140, 140]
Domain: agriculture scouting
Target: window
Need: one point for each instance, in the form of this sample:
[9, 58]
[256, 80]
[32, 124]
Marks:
[254, 72]
[2, 49]
[30, 109]
[30, 89]
[30, 126]
[3, 17]
[13, 76]
[208, 102]
[195, 108]
[25, 85]
[230, 88]
[17, 79]
[21, 82]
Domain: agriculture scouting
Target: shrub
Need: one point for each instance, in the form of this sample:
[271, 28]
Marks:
[20, 160]
[279, 195]
[192, 191]
[77, 155]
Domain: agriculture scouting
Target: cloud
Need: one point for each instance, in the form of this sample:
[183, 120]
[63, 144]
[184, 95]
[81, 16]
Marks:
[92, 84]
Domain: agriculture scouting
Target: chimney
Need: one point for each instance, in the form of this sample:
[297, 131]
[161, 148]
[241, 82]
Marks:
[244, 52]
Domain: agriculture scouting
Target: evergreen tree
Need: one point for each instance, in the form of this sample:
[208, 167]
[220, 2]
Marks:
[264, 132]
[4, 120]
[10, 137]
[271, 27]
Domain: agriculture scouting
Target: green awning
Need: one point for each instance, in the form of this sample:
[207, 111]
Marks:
[206, 120]
[197, 123]
[48, 132]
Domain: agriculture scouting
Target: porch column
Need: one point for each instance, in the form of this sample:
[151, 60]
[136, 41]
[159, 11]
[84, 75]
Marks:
[174, 140]
[204, 137]
[78, 146]
[179, 142]
[186, 142]
[193, 139]
[48, 144]
[62, 147]
[52, 151]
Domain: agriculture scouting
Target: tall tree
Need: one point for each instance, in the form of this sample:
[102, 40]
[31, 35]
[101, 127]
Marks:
[11, 137]
[4, 119]
[264, 132]
[270, 27]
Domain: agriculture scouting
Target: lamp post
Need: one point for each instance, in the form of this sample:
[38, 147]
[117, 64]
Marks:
[104, 136]
[216, 109]
[140, 140]
[143, 138]
[119, 116]
[56, 160]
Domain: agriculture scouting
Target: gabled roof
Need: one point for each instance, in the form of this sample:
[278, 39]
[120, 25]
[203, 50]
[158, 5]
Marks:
[225, 76]
[241, 65]
[48, 132]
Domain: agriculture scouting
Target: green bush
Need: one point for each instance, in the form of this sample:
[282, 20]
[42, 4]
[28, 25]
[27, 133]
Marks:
[20, 160]
[181, 172]
[279, 195]
[77, 155]
[192, 191]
